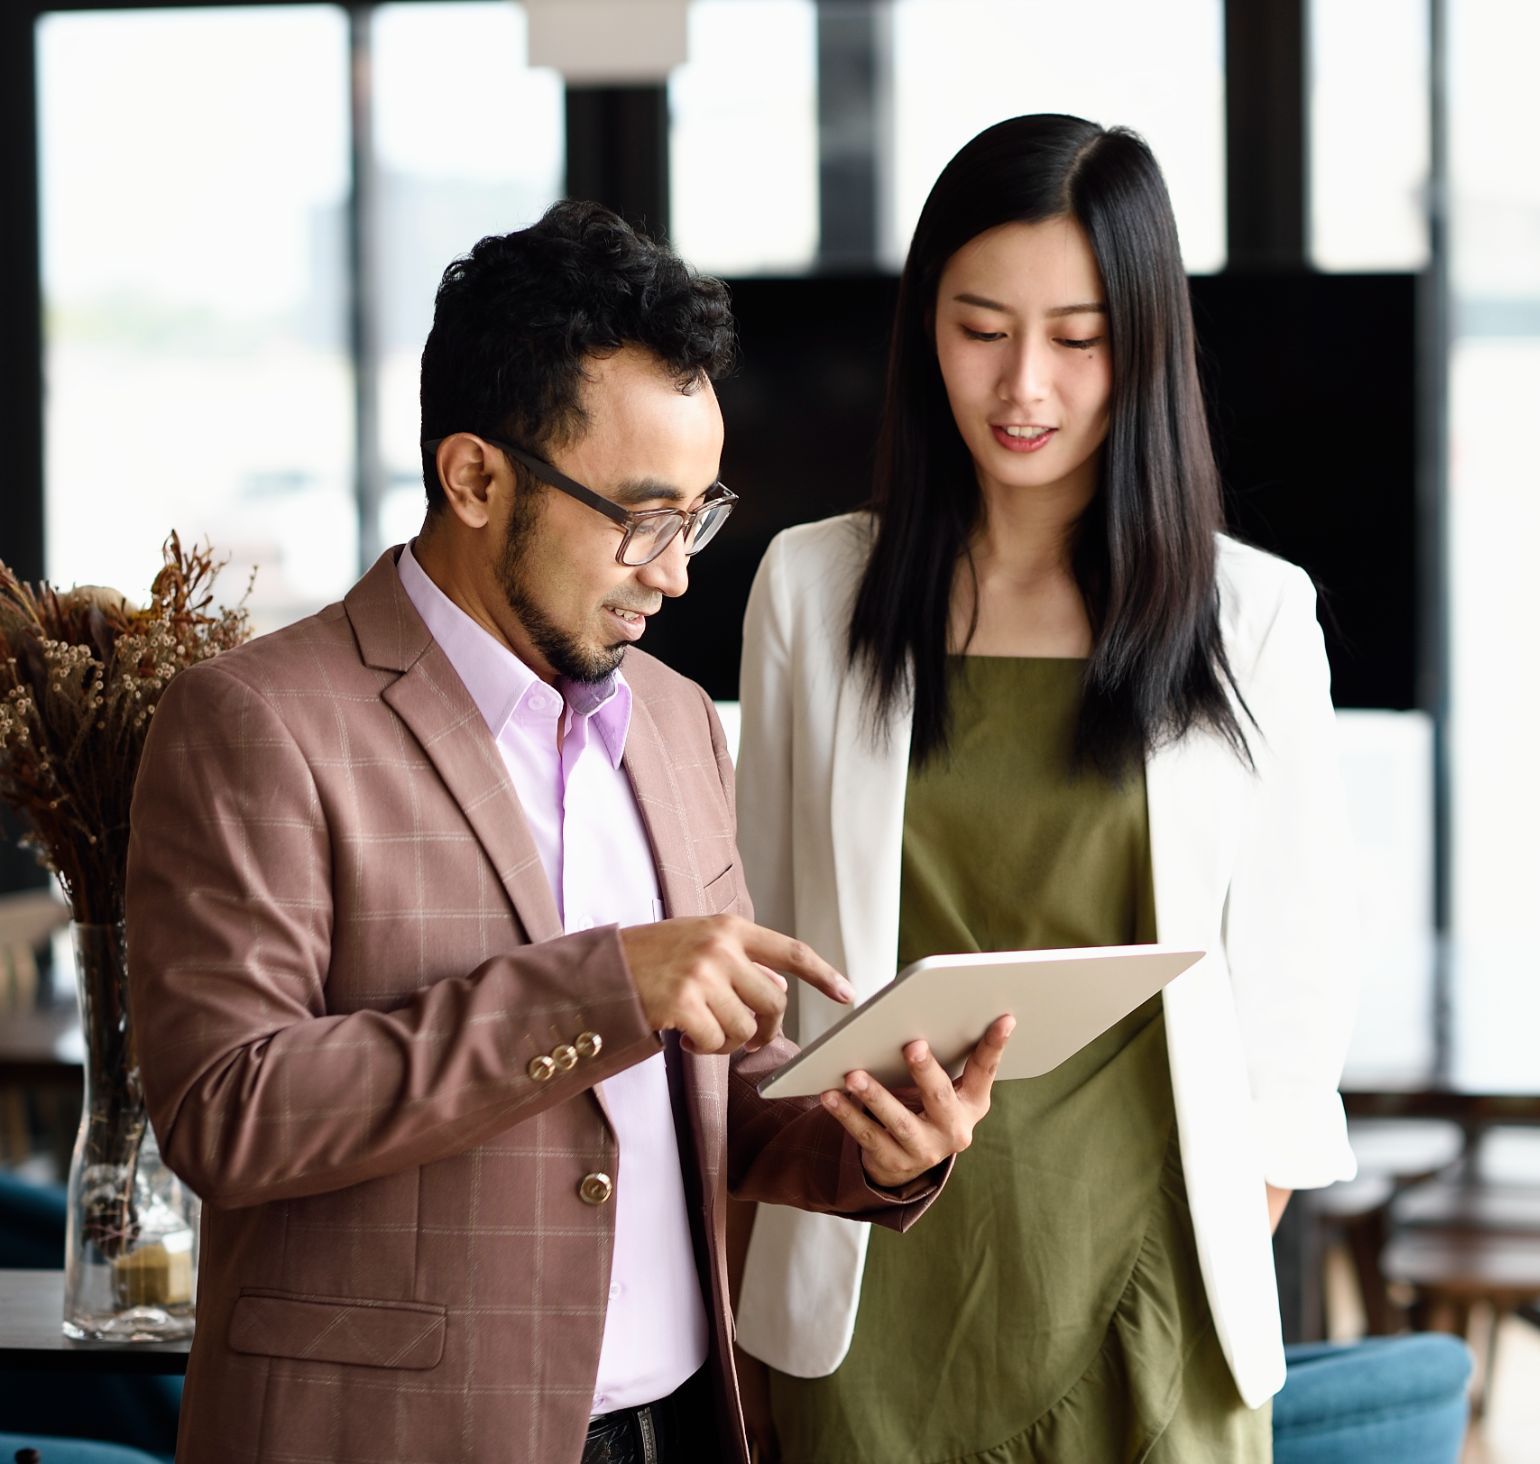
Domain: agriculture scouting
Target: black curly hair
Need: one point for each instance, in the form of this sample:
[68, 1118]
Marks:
[514, 320]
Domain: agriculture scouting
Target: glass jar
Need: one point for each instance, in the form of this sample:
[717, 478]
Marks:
[131, 1255]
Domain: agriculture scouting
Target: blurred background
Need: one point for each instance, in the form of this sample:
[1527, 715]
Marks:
[223, 227]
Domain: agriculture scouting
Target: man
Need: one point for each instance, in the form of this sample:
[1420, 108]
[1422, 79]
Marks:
[440, 943]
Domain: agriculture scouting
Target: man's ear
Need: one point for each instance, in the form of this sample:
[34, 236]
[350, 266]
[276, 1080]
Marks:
[475, 478]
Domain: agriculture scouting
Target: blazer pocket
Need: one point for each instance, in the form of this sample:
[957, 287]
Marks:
[402, 1334]
[721, 893]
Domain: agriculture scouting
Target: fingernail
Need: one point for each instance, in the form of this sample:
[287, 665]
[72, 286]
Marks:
[831, 1100]
[918, 1052]
[847, 991]
[1010, 1026]
[856, 1082]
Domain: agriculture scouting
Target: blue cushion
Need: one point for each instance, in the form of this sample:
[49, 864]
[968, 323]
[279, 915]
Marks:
[72, 1451]
[1401, 1398]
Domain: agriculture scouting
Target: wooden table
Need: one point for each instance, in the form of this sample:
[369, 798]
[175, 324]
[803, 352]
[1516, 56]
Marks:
[32, 1340]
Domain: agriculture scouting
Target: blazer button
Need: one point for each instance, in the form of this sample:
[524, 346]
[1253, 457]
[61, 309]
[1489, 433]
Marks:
[565, 1057]
[590, 1044]
[596, 1189]
[541, 1068]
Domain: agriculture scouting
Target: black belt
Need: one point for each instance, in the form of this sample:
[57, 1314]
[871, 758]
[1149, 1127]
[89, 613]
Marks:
[655, 1433]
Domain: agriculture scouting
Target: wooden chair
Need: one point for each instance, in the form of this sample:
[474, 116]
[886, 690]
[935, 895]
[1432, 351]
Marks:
[27, 920]
[1466, 1249]
[1393, 1155]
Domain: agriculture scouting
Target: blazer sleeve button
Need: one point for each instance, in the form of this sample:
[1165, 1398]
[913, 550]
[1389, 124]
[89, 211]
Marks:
[565, 1057]
[541, 1068]
[589, 1044]
[596, 1189]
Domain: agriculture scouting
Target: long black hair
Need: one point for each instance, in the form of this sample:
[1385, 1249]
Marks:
[1144, 550]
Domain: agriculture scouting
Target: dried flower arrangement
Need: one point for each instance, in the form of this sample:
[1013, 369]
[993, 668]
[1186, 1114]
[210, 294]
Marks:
[81, 672]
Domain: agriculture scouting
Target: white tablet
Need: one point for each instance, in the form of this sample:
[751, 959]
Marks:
[1061, 1000]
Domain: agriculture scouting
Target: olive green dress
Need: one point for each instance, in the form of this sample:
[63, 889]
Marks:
[1049, 1307]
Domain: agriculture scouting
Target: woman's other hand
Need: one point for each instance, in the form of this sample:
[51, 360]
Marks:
[1277, 1202]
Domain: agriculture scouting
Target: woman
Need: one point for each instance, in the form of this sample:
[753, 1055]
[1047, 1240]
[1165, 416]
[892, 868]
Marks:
[1035, 698]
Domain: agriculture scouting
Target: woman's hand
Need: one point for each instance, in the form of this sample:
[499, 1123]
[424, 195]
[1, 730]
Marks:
[1277, 1202]
[898, 1142]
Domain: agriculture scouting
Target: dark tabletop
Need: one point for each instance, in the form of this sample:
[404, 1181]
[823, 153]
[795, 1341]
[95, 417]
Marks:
[41, 1047]
[32, 1337]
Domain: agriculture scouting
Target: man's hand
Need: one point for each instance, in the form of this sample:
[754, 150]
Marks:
[715, 978]
[898, 1143]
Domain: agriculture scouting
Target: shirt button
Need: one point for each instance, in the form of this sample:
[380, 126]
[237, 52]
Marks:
[614, 1290]
[596, 1189]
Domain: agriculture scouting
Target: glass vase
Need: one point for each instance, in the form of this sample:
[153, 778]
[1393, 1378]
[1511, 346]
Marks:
[131, 1252]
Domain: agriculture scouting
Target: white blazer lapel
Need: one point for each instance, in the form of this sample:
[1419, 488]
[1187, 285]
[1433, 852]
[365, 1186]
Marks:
[1197, 796]
[867, 785]
[1200, 798]
[805, 1328]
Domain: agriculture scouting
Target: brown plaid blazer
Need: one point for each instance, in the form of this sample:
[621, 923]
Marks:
[345, 954]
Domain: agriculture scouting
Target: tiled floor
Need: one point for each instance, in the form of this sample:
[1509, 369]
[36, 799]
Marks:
[1510, 1431]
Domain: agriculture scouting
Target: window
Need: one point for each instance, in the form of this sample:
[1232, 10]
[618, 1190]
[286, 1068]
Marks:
[196, 272]
[454, 162]
[743, 146]
[197, 376]
[960, 65]
[1494, 517]
[1369, 134]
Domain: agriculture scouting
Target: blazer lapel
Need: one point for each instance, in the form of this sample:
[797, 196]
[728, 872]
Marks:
[867, 785]
[651, 770]
[435, 707]
[649, 764]
[1197, 796]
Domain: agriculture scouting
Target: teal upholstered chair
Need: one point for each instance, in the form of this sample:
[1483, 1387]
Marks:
[48, 1412]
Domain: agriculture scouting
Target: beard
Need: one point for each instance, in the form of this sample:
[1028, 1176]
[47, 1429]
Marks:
[563, 652]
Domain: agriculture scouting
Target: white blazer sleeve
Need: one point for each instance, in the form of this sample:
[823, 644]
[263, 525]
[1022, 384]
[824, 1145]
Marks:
[1290, 933]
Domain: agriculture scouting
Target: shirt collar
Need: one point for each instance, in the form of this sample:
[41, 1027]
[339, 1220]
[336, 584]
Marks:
[497, 680]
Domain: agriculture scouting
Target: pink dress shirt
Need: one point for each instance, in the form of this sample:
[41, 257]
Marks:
[562, 746]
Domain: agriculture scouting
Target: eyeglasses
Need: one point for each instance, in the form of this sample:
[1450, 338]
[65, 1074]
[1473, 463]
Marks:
[645, 535]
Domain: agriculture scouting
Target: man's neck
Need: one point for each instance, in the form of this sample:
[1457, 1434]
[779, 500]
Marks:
[436, 558]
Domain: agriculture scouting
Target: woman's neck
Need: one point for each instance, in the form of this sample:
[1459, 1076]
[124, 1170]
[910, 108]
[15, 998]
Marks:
[1017, 591]
[1032, 529]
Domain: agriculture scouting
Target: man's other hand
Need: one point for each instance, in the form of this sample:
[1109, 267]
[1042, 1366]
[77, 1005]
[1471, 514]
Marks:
[716, 979]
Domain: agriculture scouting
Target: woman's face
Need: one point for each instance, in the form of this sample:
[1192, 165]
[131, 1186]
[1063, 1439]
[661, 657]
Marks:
[1021, 337]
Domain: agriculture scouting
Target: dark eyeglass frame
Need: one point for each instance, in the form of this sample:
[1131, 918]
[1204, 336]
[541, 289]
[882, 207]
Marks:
[718, 497]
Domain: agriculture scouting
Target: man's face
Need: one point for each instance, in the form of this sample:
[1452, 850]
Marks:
[646, 445]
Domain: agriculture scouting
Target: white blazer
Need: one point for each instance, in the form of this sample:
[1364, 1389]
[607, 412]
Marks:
[1249, 866]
